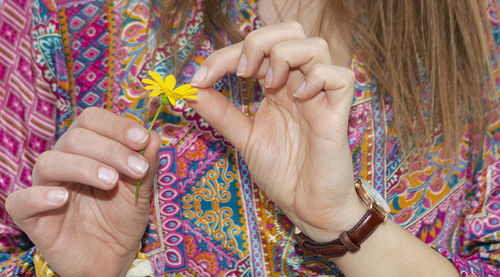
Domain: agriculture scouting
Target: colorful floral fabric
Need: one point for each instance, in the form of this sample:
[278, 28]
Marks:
[207, 217]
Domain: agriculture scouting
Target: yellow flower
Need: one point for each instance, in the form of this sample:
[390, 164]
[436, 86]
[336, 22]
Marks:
[166, 88]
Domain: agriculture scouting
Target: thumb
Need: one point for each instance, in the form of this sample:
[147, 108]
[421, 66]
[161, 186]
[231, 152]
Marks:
[24, 205]
[223, 116]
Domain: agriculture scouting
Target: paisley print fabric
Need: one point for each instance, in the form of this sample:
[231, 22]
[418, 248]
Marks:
[207, 217]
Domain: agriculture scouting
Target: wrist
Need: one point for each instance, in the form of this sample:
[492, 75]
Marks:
[348, 240]
[346, 217]
[128, 260]
[126, 265]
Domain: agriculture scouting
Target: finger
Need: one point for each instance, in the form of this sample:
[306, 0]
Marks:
[217, 65]
[264, 68]
[55, 167]
[84, 142]
[245, 57]
[151, 155]
[258, 44]
[24, 205]
[302, 54]
[336, 81]
[108, 124]
[223, 116]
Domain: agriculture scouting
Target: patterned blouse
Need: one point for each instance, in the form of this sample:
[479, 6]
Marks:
[58, 57]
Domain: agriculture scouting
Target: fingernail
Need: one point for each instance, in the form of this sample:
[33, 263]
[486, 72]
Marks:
[199, 76]
[137, 164]
[300, 89]
[242, 65]
[107, 175]
[269, 78]
[57, 196]
[137, 135]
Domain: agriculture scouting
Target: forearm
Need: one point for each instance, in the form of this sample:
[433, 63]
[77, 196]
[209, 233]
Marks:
[392, 251]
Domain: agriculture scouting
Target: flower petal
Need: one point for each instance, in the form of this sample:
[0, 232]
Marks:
[155, 93]
[187, 93]
[182, 88]
[171, 100]
[150, 82]
[157, 78]
[170, 82]
[152, 87]
[184, 91]
[191, 91]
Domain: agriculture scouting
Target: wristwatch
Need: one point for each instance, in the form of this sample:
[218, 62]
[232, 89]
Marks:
[377, 213]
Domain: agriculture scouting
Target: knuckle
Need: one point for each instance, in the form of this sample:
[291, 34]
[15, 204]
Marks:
[87, 116]
[252, 41]
[317, 70]
[42, 165]
[278, 52]
[320, 42]
[116, 149]
[72, 138]
[296, 27]
[10, 205]
[347, 75]
[119, 130]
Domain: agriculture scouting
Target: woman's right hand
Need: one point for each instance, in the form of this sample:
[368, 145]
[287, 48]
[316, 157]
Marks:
[81, 211]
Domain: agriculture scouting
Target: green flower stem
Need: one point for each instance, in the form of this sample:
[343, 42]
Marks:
[142, 152]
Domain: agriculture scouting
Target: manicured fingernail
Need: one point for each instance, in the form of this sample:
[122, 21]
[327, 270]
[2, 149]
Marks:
[57, 196]
[137, 164]
[107, 175]
[300, 89]
[137, 135]
[269, 78]
[242, 65]
[199, 76]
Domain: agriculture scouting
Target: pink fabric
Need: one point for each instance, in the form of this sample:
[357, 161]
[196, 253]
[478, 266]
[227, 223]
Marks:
[53, 64]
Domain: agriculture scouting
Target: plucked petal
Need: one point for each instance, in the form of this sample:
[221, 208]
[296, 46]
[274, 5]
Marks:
[170, 82]
[181, 94]
[190, 97]
[182, 89]
[157, 78]
[191, 91]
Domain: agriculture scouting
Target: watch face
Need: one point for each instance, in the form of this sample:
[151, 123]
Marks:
[376, 196]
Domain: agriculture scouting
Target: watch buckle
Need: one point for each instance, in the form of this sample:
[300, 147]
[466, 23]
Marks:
[296, 230]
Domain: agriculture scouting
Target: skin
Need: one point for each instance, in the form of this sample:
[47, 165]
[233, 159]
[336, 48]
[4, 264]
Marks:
[99, 224]
[295, 146]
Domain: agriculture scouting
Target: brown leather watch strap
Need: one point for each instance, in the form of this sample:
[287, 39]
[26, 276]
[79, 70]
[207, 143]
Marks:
[348, 241]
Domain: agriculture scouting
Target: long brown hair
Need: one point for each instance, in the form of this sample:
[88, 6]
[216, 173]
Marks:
[432, 58]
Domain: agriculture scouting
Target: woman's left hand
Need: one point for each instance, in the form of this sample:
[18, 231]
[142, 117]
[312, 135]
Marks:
[296, 145]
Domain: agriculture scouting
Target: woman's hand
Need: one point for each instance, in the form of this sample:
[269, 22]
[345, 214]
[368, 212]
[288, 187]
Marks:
[296, 146]
[81, 212]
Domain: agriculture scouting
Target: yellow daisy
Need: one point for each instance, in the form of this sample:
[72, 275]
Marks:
[166, 88]
[168, 94]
